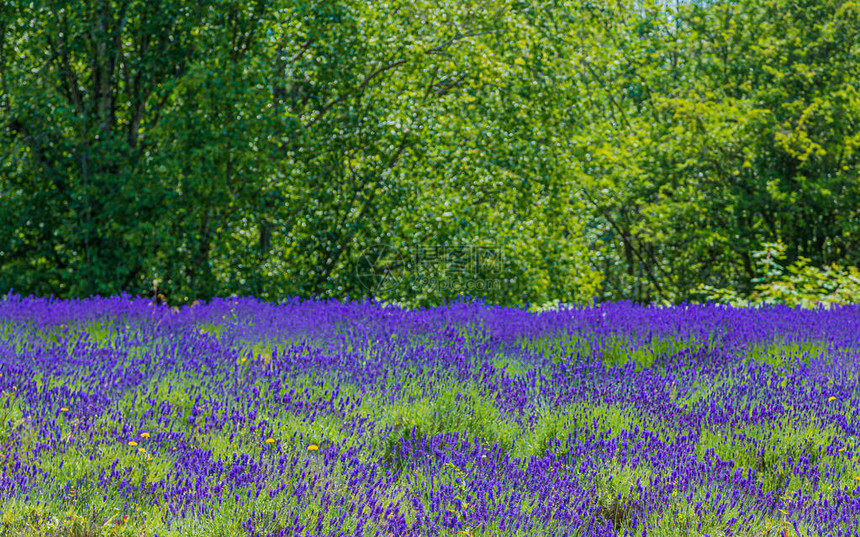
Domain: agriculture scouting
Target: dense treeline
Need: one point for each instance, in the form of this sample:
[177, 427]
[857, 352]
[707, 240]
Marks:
[521, 150]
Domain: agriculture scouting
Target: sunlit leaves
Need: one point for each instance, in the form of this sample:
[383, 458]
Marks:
[624, 150]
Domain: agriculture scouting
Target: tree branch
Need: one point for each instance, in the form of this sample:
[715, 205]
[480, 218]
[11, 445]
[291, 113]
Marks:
[380, 70]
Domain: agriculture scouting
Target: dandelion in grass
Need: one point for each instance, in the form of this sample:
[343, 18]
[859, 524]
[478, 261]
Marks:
[140, 449]
[313, 447]
[144, 435]
[831, 398]
[270, 440]
[132, 443]
[64, 409]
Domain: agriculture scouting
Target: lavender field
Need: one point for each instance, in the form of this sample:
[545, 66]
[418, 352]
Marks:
[123, 417]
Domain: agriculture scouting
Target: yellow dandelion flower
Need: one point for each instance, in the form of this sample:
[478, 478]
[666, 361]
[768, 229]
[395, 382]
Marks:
[270, 440]
[831, 398]
[144, 435]
[141, 450]
[842, 449]
[132, 443]
[313, 447]
[64, 409]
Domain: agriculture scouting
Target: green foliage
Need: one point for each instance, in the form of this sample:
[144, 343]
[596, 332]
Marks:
[799, 284]
[709, 130]
[352, 147]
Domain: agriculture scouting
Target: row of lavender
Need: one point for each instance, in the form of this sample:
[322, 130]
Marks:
[329, 418]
